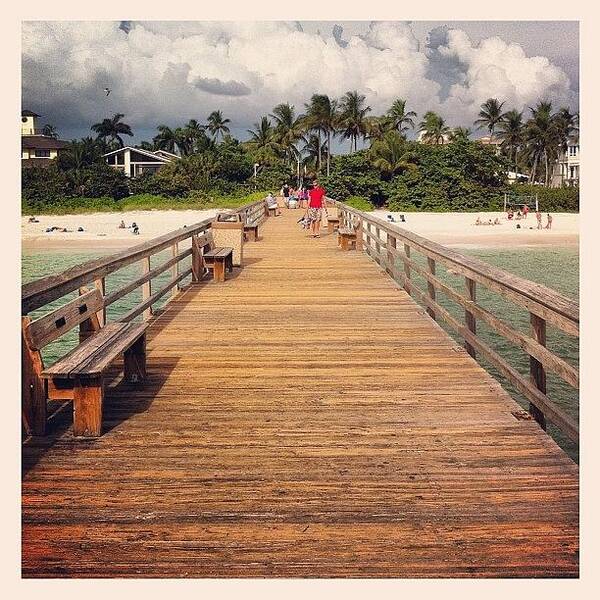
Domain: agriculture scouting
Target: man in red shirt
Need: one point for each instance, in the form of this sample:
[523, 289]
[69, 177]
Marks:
[316, 206]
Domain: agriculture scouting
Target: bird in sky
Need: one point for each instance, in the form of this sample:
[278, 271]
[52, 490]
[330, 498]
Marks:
[107, 91]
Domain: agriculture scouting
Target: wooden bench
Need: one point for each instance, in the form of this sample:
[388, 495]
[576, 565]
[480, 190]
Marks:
[251, 230]
[333, 223]
[219, 259]
[79, 375]
[272, 211]
[347, 238]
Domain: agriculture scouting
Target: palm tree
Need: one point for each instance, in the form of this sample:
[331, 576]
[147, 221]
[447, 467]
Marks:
[322, 117]
[167, 139]
[288, 129]
[217, 125]
[490, 115]
[377, 127]
[81, 153]
[311, 150]
[263, 141]
[460, 134]
[511, 134]
[390, 155]
[401, 119]
[112, 129]
[145, 145]
[50, 131]
[352, 118]
[433, 128]
[543, 135]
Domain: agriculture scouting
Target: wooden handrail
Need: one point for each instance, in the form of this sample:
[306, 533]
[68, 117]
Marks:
[544, 305]
[42, 291]
[562, 311]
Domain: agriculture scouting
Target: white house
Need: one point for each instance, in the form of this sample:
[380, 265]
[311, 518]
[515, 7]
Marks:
[37, 149]
[135, 161]
[486, 140]
[421, 134]
[566, 169]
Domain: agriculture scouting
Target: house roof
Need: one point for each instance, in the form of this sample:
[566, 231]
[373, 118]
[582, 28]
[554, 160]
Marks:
[28, 113]
[486, 140]
[161, 152]
[42, 142]
[139, 151]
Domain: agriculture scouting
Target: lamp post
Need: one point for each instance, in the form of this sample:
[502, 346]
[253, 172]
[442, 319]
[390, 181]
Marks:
[256, 165]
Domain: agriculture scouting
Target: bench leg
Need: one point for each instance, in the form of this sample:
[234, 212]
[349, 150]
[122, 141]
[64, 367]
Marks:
[344, 242]
[135, 361]
[33, 393]
[219, 270]
[88, 395]
[230, 263]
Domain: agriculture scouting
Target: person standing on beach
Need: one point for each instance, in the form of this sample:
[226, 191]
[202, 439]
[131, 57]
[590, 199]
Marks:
[525, 211]
[316, 206]
[549, 223]
[538, 216]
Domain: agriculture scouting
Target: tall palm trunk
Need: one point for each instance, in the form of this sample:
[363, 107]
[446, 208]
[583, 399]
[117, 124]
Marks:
[328, 150]
[319, 137]
[533, 169]
[546, 167]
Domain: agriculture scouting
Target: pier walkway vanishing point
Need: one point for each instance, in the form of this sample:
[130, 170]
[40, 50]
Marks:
[304, 418]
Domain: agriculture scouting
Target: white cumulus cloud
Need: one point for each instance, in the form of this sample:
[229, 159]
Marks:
[168, 72]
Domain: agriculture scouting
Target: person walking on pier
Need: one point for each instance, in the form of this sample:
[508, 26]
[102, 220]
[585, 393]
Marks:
[316, 206]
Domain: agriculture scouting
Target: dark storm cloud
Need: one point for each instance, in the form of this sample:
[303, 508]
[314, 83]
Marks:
[222, 88]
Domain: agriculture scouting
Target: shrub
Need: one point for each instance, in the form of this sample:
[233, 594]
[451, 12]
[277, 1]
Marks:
[563, 199]
[42, 186]
[98, 181]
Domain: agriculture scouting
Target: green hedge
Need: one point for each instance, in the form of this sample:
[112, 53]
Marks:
[564, 199]
[360, 203]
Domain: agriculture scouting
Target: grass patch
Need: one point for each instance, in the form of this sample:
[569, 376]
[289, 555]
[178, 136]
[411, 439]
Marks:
[198, 201]
[360, 203]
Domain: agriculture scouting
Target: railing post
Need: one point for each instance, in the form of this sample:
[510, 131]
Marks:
[431, 287]
[369, 238]
[536, 369]
[33, 388]
[146, 288]
[175, 269]
[470, 321]
[100, 284]
[196, 260]
[407, 269]
[391, 243]
[359, 234]
[377, 245]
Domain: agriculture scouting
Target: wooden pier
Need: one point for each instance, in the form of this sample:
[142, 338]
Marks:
[303, 418]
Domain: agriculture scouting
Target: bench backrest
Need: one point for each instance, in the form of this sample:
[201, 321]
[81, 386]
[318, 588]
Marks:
[50, 327]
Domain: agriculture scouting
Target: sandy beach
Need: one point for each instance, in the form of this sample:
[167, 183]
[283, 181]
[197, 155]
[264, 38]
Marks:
[459, 230]
[101, 230]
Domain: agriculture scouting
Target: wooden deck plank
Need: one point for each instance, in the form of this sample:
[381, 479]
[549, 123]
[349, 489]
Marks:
[303, 418]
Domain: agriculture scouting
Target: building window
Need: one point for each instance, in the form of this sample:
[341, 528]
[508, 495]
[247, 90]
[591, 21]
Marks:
[42, 153]
[573, 150]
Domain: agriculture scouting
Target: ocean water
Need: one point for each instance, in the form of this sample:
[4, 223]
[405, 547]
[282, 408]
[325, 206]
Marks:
[555, 268]
[37, 265]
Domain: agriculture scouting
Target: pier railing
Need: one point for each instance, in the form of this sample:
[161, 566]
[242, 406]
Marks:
[394, 249]
[41, 292]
